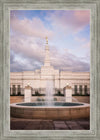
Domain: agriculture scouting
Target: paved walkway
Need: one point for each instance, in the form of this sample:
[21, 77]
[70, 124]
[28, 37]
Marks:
[32, 124]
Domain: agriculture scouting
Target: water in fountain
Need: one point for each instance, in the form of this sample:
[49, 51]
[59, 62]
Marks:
[49, 93]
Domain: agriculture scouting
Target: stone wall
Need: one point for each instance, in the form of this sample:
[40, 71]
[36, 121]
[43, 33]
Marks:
[84, 99]
[17, 99]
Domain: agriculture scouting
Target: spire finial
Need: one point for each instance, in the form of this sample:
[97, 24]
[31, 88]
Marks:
[46, 40]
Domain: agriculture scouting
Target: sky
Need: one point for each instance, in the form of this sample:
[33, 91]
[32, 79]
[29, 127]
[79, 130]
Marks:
[68, 33]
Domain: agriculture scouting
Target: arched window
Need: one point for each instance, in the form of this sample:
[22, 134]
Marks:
[80, 89]
[14, 90]
[85, 90]
[19, 90]
[75, 89]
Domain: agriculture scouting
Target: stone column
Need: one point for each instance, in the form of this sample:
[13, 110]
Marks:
[88, 89]
[16, 89]
[78, 89]
[27, 94]
[73, 92]
[83, 90]
[68, 93]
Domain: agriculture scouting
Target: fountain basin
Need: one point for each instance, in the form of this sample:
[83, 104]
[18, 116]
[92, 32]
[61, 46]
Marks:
[61, 111]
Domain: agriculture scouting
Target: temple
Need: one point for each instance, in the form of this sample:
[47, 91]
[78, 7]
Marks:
[79, 81]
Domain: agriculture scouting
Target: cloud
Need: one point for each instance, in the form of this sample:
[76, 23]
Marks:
[31, 56]
[69, 21]
[81, 18]
[27, 48]
[69, 62]
[30, 27]
[27, 41]
[86, 45]
[22, 64]
[84, 42]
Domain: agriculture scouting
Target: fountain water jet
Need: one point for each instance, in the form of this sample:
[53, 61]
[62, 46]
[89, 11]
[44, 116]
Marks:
[49, 100]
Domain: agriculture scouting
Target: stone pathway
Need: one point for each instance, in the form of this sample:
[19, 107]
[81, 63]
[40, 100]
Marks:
[30, 124]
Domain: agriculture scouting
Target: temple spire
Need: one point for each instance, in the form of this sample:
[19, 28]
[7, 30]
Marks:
[47, 57]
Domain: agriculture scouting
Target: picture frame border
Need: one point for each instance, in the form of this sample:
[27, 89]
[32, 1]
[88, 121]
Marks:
[5, 132]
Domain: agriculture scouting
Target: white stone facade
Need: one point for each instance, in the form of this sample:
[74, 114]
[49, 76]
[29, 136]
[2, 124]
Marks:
[27, 94]
[79, 81]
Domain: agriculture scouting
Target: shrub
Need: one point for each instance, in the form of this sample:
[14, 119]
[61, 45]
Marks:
[14, 94]
[55, 99]
[59, 93]
[38, 99]
[80, 95]
[36, 93]
[19, 93]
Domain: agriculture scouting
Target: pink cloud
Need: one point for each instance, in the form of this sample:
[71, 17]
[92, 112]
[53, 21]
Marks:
[86, 45]
[81, 18]
[31, 56]
[34, 27]
[27, 47]
[70, 20]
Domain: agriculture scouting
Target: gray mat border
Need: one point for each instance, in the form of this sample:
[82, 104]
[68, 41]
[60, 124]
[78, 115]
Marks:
[5, 132]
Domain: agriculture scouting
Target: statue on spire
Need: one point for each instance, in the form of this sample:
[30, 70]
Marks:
[46, 40]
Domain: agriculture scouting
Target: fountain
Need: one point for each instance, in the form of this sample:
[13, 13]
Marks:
[50, 109]
[49, 99]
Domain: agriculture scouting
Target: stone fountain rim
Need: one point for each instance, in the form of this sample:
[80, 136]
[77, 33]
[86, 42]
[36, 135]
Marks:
[43, 107]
